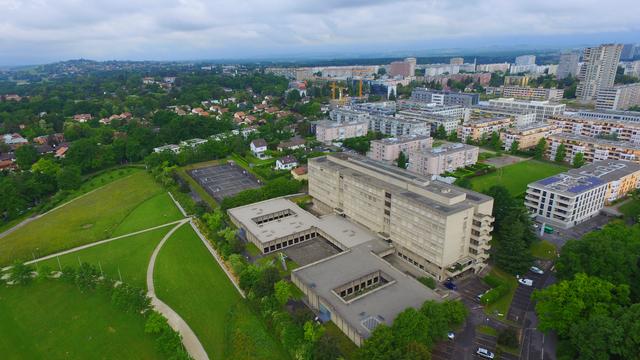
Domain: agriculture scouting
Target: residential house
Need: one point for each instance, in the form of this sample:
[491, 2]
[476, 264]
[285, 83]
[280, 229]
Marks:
[293, 144]
[14, 139]
[82, 118]
[258, 148]
[286, 163]
[300, 173]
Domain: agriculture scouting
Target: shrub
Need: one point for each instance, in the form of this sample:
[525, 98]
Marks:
[428, 282]
[496, 293]
[508, 338]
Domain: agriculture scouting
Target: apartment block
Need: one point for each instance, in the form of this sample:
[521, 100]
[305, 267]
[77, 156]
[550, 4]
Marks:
[444, 97]
[598, 71]
[418, 107]
[444, 158]
[328, 131]
[632, 68]
[625, 116]
[388, 149]
[528, 93]
[568, 65]
[619, 97]
[527, 136]
[593, 149]
[543, 109]
[348, 115]
[521, 117]
[499, 67]
[516, 80]
[450, 123]
[398, 126]
[597, 127]
[438, 229]
[483, 127]
[567, 199]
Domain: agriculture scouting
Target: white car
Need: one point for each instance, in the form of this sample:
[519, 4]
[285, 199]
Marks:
[451, 335]
[537, 270]
[485, 353]
[525, 282]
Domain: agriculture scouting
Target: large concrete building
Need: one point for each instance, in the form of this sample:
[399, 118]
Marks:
[388, 149]
[568, 65]
[527, 136]
[597, 127]
[444, 158]
[626, 116]
[529, 93]
[348, 115]
[521, 117]
[598, 71]
[543, 109]
[439, 229]
[525, 60]
[481, 128]
[593, 149]
[405, 68]
[619, 97]
[398, 126]
[567, 199]
[328, 131]
[444, 97]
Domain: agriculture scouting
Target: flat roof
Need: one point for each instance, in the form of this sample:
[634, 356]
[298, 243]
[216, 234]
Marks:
[380, 305]
[345, 232]
[401, 139]
[576, 181]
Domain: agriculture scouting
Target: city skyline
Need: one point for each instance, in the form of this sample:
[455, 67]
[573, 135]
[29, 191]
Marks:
[46, 31]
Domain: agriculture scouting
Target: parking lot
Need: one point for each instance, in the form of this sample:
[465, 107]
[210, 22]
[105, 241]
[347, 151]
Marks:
[522, 298]
[561, 236]
[222, 181]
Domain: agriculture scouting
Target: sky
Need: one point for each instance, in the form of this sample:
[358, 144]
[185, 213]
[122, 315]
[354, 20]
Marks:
[41, 31]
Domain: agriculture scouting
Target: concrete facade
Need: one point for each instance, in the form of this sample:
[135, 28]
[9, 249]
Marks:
[443, 158]
[619, 97]
[593, 149]
[598, 71]
[529, 93]
[389, 149]
[543, 109]
[483, 127]
[527, 136]
[398, 126]
[596, 127]
[328, 131]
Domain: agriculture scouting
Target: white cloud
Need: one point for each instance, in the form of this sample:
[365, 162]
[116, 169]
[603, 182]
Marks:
[45, 30]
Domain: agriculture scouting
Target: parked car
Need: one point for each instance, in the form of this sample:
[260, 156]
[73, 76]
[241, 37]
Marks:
[485, 353]
[450, 285]
[451, 335]
[537, 270]
[479, 296]
[525, 281]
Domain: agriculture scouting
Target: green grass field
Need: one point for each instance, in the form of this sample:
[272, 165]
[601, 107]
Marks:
[502, 304]
[631, 209]
[116, 208]
[516, 177]
[189, 280]
[543, 250]
[130, 255]
[52, 319]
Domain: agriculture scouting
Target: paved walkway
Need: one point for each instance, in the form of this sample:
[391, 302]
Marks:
[82, 247]
[184, 213]
[189, 339]
[217, 257]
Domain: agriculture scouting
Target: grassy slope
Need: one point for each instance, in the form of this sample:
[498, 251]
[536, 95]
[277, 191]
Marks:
[189, 280]
[157, 210]
[54, 320]
[631, 209]
[130, 255]
[516, 177]
[502, 305]
[543, 249]
[85, 220]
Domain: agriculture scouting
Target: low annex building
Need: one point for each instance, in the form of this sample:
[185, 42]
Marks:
[356, 288]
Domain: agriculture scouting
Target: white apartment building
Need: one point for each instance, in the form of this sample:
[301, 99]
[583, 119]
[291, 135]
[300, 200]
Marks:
[543, 109]
[593, 149]
[568, 65]
[632, 68]
[388, 149]
[597, 127]
[398, 126]
[527, 136]
[502, 67]
[348, 115]
[481, 128]
[444, 158]
[438, 229]
[521, 117]
[619, 97]
[328, 131]
[567, 199]
[625, 116]
[529, 93]
[598, 71]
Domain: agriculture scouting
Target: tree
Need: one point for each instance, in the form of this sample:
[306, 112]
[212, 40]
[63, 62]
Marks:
[313, 331]
[69, 178]
[21, 273]
[503, 204]
[326, 348]
[402, 160]
[214, 220]
[561, 153]
[46, 167]
[441, 132]
[464, 182]
[264, 285]
[540, 149]
[282, 291]
[578, 160]
[510, 250]
[513, 149]
[495, 141]
[26, 155]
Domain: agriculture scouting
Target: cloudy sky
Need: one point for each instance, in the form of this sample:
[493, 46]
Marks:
[37, 31]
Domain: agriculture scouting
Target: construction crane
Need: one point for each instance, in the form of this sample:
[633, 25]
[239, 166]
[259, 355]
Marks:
[360, 88]
[342, 100]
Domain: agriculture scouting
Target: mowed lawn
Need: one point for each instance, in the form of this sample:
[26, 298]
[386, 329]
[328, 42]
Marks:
[54, 320]
[127, 257]
[516, 177]
[189, 280]
[116, 208]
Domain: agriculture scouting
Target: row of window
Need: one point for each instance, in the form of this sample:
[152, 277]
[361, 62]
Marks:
[290, 242]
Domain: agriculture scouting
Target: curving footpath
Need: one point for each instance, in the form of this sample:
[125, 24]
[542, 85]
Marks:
[189, 339]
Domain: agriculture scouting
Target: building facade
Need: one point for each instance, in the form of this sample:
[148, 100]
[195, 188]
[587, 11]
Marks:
[389, 149]
[528, 93]
[444, 97]
[328, 131]
[593, 149]
[596, 127]
[444, 158]
[619, 97]
[398, 126]
[568, 65]
[543, 109]
[598, 71]
[440, 230]
[527, 136]
[567, 199]
[481, 128]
